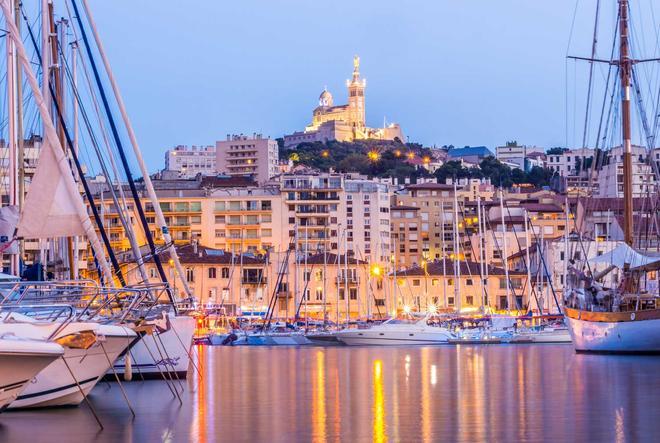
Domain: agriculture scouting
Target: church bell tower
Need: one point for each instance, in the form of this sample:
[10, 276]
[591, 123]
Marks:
[356, 88]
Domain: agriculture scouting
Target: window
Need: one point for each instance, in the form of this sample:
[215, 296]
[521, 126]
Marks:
[153, 273]
[219, 233]
[266, 218]
[319, 294]
[190, 275]
[469, 282]
[469, 300]
[195, 220]
[212, 273]
[416, 282]
[380, 302]
[266, 232]
[352, 292]
[219, 206]
[224, 272]
[195, 206]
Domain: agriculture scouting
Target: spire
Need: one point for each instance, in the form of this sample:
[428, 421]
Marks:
[356, 68]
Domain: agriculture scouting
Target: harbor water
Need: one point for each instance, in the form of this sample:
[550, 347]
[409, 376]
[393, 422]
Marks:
[447, 393]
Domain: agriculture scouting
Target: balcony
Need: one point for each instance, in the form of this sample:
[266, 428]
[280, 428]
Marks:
[254, 281]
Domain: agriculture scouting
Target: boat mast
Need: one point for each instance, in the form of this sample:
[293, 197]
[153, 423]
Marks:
[625, 70]
[19, 129]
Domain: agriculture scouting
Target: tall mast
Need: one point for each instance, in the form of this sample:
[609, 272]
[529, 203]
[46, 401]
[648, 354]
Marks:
[19, 128]
[625, 69]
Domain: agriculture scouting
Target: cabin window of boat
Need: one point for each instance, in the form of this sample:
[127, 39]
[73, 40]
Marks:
[402, 321]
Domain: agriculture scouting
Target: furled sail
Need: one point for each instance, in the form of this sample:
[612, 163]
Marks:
[624, 254]
[50, 208]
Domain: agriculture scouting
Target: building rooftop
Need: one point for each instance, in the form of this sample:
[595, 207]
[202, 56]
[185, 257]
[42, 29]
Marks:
[479, 151]
[467, 268]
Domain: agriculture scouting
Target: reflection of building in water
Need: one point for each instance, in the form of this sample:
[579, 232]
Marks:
[343, 122]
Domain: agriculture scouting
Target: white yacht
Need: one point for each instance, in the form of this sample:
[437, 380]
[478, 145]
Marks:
[89, 351]
[398, 331]
[167, 349]
[20, 361]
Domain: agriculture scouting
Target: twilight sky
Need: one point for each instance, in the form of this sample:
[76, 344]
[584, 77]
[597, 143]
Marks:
[471, 72]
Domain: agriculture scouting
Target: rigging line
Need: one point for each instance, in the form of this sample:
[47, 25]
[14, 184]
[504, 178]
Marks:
[122, 155]
[594, 46]
[607, 85]
[74, 156]
[122, 212]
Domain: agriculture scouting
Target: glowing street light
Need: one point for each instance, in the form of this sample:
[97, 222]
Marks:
[411, 155]
[325, 154]
[397, 152]
[376, 271]
[374, 156]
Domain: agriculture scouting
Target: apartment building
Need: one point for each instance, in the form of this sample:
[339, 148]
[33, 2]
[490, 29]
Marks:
[242, 155]
[188, 161]
[455, 284]
[610, 176]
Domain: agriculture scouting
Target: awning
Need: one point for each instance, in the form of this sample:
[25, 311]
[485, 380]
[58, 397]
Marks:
[623, 254]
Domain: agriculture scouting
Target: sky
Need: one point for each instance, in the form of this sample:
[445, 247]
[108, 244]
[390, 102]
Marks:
[471, 72]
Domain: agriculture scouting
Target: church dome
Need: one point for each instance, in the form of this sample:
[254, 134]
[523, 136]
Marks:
[325, 99]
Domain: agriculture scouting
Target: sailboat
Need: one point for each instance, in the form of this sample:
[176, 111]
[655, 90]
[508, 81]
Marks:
[625, 317]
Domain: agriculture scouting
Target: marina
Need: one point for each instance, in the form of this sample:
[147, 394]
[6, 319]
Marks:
[339, 283]
[463, 393]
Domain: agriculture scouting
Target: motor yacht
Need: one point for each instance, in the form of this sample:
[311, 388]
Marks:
[398, 331]
[90, 349]
[21, 360]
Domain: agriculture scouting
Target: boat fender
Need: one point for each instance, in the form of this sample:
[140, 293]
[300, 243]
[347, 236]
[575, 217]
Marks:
[128, 367]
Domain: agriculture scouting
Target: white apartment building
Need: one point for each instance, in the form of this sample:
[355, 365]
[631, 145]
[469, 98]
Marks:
[515, 154]
[368, 219]
[243, 155]
[567, 163]
[189, 161]
[610, 177]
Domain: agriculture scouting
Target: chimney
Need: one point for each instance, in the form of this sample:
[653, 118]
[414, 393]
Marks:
[194, 245]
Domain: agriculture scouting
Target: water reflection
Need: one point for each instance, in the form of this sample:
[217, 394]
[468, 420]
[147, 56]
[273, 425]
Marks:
[319, 415]
[466, 393]
[379, 432]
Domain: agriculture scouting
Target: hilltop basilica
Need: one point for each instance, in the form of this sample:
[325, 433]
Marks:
[343, 122]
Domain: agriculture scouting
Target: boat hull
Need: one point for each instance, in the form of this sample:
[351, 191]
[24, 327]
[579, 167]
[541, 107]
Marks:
[20, 362]
[615, 332]
[61, 382]
[362, 337]
[162, 352]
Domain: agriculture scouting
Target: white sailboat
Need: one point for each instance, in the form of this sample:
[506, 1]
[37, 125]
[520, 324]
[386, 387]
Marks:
[624, 318]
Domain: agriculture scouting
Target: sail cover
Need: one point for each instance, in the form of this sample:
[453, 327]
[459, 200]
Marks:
[8, 220]
[49, 209]
[623, 254]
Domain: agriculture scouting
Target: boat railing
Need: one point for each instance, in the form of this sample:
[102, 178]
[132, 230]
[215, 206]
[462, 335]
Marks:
[61, 314]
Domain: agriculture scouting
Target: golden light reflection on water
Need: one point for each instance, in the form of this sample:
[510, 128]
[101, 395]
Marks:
[319, 414]
[379, 430]
[199, 426]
